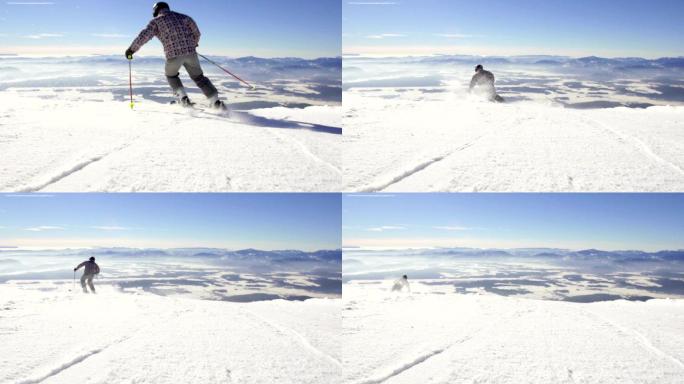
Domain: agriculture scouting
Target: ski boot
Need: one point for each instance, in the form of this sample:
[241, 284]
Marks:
[185, 102]
[182, 98]
[217, 104]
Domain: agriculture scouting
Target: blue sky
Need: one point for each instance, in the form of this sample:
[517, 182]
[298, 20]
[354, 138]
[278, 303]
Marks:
[265, 28]
[233, 221]
[609, 28]
[575, 221]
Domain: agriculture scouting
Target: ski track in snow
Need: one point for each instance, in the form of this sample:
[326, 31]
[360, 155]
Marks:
[509, 340]
[419, 360]
[301, 147]
[71, 363]
[410, 143]
[70, 144]
[119, 337]
[61, 175]
[379, 187]
[644, 341]
[295, 335]
[640, 145]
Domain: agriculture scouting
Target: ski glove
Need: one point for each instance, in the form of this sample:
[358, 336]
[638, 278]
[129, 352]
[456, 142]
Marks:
[129, 54]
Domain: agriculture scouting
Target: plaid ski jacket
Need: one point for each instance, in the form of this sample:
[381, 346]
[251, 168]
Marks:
[178, 33]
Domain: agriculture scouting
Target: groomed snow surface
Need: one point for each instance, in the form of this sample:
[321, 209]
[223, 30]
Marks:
[452, 338]
[68, 143]
[57, 336]
[412, 141]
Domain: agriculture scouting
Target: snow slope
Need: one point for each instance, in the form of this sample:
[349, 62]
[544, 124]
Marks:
[437, 338]
[56, 336]
[412, 140]
[72, 143]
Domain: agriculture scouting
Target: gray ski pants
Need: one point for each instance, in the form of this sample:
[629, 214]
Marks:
[192, 65]
[89, 279]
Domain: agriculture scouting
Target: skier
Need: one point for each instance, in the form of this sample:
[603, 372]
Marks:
[180, 37]
[484, 81]
[89, 271]
[400, 284]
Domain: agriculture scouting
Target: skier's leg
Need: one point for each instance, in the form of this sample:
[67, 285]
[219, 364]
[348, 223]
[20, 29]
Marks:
[491, 92]
[173, 76]
[83, 284]
[192, 65]
[90, 283]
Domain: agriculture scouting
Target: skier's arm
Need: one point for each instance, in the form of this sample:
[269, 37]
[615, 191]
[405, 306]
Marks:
[472, 83]
[195, 30]
[97, 269]
[145, 35]
[79, 266]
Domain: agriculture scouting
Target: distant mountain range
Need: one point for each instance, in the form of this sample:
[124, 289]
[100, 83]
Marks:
[243, 255]
[550, 253]
[627, 63]
[274, 64]
[624, 63]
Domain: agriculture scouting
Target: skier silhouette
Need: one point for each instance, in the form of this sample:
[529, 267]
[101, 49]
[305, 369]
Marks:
[180, 37]
[90, 269]
[400, 284]
[483, 83]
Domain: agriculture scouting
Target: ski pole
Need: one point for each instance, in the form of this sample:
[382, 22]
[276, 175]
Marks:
[226, 71]
[74, 281]
[130, 79]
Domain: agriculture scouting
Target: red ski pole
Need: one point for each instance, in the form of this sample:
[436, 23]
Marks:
[226, 71]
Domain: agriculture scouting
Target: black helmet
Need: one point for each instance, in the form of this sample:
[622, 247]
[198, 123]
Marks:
[158, 7]
[405, 277]
[479, 68]
[92, 258]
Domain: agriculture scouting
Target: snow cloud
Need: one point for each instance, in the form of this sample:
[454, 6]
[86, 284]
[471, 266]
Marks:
[385, 36]
[40, 36]
[29, 195]
[453, 35]
[385, 228]
[452, 228]
[110, 35]
[112, 228]
[44, 228]
[30, 3]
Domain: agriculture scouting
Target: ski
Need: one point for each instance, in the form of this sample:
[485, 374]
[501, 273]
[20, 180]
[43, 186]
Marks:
[184, 105]
[222, 111]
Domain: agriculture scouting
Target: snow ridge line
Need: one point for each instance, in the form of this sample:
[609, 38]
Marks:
[420, 167]
[640, 145]
[419, 360]
[645, 341]
[302, 340]
[70, 171]
[77, 360]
